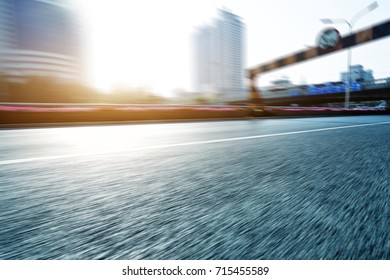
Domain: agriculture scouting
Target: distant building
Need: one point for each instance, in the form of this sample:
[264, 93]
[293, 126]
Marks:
[40, 38]
[358, 74]
[278, 87]
[219, 58]
[283, 82]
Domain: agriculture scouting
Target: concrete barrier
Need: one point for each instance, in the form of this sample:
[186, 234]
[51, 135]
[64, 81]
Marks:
[26, 114]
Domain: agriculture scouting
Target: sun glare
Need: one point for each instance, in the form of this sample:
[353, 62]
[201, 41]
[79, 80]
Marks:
[136, 45]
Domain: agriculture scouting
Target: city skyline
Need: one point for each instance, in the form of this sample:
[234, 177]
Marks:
[148, 43]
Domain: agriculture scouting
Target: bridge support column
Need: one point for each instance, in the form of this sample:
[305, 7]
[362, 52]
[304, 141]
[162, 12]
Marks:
[254, 94]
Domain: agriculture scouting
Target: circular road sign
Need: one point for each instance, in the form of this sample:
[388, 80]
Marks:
[329, 38]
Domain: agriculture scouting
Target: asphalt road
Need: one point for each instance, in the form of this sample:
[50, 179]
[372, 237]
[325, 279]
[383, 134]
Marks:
[308, 188]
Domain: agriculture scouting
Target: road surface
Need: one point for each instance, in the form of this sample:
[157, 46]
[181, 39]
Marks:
[297, 188]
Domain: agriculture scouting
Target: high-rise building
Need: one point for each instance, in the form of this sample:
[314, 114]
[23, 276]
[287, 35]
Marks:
[219, 58]
[203, 48]
[40, 38]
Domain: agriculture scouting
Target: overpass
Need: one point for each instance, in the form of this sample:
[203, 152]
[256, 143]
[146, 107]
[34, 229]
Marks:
[301, 95]
[376, 32]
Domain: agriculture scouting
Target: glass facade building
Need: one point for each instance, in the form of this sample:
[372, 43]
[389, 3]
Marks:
[40, 38]
[219, 58]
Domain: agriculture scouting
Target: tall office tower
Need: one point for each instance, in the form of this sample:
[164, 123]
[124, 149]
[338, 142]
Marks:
[219, 52]
[40, 38]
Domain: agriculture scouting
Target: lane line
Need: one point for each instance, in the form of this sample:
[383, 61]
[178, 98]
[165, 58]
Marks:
[23, 160]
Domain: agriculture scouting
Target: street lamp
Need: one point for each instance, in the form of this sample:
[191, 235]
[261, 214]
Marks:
[350, 23]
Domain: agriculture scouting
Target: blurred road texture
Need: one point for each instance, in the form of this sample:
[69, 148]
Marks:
[304, 188]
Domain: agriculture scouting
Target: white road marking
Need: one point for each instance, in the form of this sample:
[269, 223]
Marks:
[23, 160]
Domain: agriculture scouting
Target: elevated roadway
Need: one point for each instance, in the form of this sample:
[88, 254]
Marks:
[320, 99]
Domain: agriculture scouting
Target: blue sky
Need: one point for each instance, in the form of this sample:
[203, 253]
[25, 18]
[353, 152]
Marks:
[147, 43]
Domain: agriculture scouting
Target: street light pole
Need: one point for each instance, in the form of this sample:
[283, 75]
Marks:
[350, 24]
[347, 86]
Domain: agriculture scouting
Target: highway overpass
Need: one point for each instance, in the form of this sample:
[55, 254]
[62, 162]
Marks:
[320, 99]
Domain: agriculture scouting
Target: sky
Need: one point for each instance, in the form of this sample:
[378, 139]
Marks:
[147, 43]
